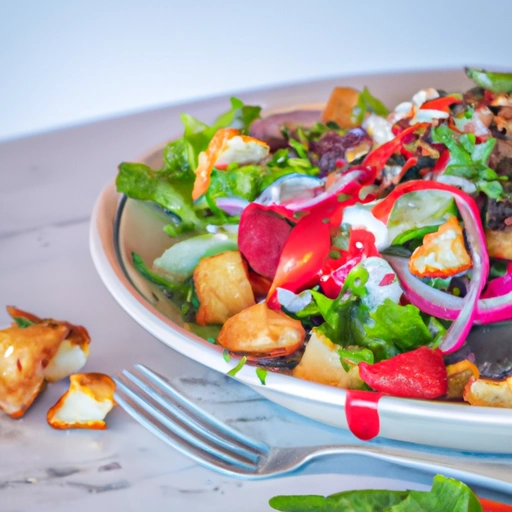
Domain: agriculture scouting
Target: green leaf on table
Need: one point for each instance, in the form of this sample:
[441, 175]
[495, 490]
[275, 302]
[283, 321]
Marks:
[446, 495]
[348, 501]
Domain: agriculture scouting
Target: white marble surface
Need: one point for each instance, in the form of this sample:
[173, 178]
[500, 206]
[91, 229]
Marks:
[49, 185]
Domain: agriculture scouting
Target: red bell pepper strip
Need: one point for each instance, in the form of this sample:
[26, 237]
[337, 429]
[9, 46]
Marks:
[443, 104]
[335, 272]
[307, 248]
[383, 209]
[378, 158]
[442, 162]
[303, 256]
[420, 373]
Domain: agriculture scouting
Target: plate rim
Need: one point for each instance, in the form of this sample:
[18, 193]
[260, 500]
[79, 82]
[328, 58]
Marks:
[101, 244]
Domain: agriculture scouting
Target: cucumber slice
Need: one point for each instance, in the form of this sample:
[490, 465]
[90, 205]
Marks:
[179, 261]
[420, 209]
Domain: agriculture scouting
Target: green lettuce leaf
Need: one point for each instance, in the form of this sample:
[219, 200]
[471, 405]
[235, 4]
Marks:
[446, 495]
[368, 103]
[352, 357]
[243, 182]
[469, 160]
[389, 330]
[197, 135]
[138, 181]
[402, 326]
[171, 186]
[349, 501]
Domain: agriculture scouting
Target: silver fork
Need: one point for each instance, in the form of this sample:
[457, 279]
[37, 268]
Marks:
[154, 402]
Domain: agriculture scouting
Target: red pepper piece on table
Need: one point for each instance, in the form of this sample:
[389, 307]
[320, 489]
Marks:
[494, 506]
[420, 373]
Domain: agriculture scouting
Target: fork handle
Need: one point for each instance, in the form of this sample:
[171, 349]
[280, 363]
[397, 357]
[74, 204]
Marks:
[492, 474]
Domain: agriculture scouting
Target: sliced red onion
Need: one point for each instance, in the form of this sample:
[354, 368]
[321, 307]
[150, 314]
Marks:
[497, 309]
[232, 205]
[428, 300]
[443, 305]
[291, 188]
[500, 285]
[343, 185]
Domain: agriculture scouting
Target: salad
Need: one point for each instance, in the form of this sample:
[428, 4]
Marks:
[355, 246]
[446, 494]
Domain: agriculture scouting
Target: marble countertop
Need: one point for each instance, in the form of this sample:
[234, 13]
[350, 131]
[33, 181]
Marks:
[49, 185]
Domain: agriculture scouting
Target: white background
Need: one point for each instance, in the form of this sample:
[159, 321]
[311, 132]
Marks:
[65, 62]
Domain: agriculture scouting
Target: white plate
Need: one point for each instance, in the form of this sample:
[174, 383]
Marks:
[138, 229]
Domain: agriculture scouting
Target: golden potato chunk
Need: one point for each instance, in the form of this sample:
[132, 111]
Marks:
[459, 375]
[340, 106]
[321, 363]
[222, 287]
[499, 243]
[489, 393]
[72, 353]
[89, 399]
[24, 354]
[261, 330]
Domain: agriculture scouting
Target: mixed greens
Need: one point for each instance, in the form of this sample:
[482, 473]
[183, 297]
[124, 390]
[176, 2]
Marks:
[446, 495]
[349, 246]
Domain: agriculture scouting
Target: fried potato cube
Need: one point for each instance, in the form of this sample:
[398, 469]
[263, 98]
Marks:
[222, 287]
[321, 363]
[442, 254]
[499, 243]
[459, 375]
[24, 354]
[86, 404]
[227, 146]
[489, 393]
[261, 330]
[340, 106]
[72, 353]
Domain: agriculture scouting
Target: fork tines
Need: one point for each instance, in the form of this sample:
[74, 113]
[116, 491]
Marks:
[154, 402]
